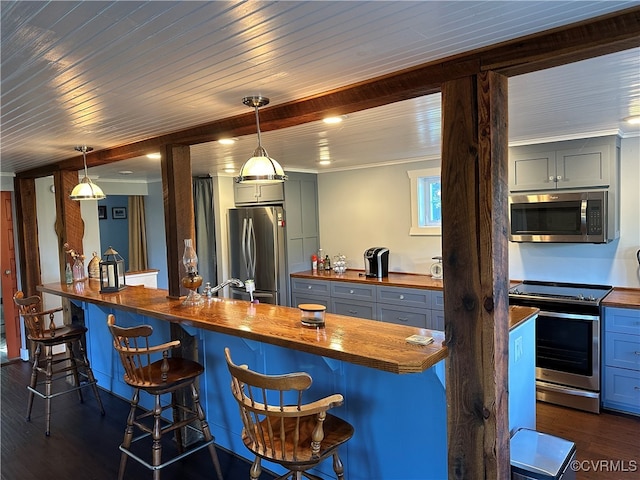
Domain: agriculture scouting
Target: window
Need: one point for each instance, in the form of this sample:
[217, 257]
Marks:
[426, 202]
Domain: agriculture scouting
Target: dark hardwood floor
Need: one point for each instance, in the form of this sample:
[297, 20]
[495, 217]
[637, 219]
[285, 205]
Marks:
[607, 444]
[83, 444]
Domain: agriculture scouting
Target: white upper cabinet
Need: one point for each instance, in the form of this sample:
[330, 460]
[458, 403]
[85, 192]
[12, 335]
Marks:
[589, 163]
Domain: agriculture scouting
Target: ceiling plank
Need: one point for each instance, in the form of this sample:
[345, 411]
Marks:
[560, 46]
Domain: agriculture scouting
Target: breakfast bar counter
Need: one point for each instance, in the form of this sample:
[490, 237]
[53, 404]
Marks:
[394, 391]
[363, 342]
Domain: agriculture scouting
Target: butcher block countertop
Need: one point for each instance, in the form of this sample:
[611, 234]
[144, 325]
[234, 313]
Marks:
[622, 297]
[363, 342]
[409, 280]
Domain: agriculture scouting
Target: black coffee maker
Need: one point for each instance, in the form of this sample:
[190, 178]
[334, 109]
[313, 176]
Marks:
[376, 262]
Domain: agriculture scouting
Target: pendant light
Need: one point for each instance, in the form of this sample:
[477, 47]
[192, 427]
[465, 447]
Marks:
[86, 189]
[260, 168]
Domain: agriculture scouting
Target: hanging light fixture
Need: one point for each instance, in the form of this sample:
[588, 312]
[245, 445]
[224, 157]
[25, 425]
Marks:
[86, 189]
[260, 168]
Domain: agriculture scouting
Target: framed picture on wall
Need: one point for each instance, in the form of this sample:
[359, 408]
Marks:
[102, 212]
[119, 212]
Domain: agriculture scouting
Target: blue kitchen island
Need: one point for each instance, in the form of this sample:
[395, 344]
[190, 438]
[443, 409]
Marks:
[394, 391]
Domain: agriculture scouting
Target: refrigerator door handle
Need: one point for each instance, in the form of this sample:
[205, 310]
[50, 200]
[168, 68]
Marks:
[244, 244]
[251, 250]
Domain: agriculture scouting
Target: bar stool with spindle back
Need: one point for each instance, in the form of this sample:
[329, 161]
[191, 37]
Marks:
[279, 428]
[46, 336]
[152, 370]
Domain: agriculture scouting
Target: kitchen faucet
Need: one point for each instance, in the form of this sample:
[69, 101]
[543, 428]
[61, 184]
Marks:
[232, 281]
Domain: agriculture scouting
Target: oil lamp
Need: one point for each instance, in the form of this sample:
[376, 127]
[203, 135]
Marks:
[191, 281]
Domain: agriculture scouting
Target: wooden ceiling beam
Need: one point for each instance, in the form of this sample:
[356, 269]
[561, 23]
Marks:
[590, 38]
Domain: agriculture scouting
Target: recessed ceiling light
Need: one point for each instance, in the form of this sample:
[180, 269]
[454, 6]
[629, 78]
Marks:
[125, 172]
[334, 120]
[325, 162]
[227, 141]
[633, 120]
[154, 156]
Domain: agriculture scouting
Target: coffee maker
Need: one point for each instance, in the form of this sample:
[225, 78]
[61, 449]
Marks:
[376, 262]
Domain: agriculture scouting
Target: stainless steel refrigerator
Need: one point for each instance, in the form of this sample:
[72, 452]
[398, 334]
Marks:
[257, 251]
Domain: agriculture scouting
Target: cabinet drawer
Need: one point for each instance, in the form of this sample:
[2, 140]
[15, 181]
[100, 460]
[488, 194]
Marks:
[437, 301]
[355, 291]
[353, 308]
[316, 287]
[622, 389]
[413, 317]
[622, 350]
[622, 320]
[409, 297]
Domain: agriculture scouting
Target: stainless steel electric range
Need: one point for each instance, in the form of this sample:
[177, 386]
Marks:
[568, 332]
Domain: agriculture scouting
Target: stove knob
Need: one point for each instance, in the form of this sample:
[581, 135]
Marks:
[580, 297]
[592, 298]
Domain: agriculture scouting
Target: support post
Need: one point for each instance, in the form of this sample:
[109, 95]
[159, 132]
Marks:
[476, 274]
[178, 211]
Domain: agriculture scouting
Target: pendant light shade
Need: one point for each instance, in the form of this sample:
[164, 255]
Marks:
[260, 168]
[86, 189]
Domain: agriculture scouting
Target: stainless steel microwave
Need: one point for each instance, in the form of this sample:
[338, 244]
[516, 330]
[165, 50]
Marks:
[563, 217]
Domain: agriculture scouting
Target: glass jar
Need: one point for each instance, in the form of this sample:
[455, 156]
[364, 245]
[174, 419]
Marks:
[78, 269]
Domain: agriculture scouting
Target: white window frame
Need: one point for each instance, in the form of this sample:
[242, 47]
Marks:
[414, 176]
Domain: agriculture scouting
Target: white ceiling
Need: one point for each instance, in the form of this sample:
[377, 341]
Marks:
[106, 74]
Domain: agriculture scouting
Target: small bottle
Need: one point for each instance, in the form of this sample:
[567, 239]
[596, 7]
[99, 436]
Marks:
[314, 263]
[68, 274]
[320, 263]
[327, 263]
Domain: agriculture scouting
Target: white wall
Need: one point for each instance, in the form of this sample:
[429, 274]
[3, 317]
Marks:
[371, 207]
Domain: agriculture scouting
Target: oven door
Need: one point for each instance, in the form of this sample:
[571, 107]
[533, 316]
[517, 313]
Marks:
[568, 349]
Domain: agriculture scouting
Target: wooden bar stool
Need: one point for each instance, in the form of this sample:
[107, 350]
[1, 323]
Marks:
[54, 368]
[152, 370]
[292, 434]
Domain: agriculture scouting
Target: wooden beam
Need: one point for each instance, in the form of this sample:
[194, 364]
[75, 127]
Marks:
[603, 35]
[476, 276]
[27, 229]
[178, 211]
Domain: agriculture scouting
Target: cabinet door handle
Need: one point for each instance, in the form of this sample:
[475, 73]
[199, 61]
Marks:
[559, 178]
[552, 178]
[353, 312]
[636, 388]
[401, 297]
[636, 353]
[309, 287]
[403, 319]
[351, 291]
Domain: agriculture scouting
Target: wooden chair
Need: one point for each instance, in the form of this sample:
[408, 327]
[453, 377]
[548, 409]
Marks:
[152, 370]
[292, 434]
[45, 336]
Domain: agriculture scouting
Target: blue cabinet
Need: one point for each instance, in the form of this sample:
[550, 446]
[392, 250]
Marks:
[414, 307]
[621, 360]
